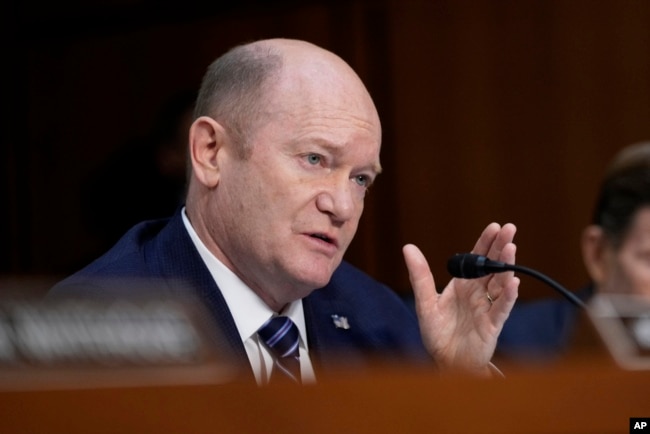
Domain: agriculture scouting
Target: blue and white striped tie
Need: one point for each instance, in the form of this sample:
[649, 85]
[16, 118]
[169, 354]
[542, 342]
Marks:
[281, 337]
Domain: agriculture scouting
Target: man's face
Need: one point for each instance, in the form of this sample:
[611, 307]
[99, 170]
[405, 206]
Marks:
[284, 216]
[629, 265]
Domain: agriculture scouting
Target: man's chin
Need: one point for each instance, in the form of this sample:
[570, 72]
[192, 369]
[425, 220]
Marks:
[314, 282]
[312, 278]
[308, 272]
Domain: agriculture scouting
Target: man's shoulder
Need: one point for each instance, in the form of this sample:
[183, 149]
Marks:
[129, 248]
[127, 259]
[552, 312]
[540, 327]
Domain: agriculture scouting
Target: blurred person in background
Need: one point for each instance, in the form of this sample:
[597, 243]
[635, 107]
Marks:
[616, 254]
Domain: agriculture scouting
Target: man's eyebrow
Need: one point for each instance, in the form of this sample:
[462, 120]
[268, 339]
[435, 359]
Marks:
[335, 148]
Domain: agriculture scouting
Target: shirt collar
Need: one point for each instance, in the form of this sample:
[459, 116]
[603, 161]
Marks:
[247, 308]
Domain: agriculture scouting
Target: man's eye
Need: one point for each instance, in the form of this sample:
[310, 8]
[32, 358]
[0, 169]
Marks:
[314, 159]
[362, 180]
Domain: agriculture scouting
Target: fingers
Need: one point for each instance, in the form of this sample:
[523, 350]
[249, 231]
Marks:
[503, 287]
[503, 303]
[496, 243]
[486, 239]
[422, 281]
[493, 241]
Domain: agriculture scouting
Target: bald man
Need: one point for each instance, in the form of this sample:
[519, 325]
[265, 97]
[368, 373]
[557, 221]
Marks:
[284, 146]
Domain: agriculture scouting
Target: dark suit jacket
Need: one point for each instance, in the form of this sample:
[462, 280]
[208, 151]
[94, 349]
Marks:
[162, 252]
[540, 330]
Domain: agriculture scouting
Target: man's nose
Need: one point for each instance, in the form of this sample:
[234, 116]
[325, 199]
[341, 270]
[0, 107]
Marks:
[337, 199]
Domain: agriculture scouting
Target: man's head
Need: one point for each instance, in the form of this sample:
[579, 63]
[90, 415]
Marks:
[281, 162]
[616, 246]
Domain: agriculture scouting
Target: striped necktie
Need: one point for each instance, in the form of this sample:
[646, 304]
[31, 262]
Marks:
[281, 337]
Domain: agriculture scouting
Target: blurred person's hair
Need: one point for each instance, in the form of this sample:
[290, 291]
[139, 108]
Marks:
[624, 190]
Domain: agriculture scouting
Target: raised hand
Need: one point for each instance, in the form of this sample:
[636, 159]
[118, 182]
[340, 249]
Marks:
[460, 326]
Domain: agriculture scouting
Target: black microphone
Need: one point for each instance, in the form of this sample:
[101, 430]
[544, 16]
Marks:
[472, 266]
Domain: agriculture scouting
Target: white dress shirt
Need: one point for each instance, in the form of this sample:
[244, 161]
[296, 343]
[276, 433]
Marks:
[250, 313]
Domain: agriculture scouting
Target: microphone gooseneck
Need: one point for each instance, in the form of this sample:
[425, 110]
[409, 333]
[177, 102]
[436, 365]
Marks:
[472, 266]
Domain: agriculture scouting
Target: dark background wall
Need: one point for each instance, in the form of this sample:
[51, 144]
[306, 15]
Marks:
[492, 111]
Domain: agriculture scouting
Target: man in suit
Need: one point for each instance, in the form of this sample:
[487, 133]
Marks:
[284, 146]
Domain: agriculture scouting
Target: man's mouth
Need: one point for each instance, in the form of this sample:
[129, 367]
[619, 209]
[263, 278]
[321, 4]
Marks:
[324, 238]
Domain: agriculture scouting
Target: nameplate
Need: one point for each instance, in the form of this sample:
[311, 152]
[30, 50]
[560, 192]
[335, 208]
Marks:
[152, 341]
[623, 323]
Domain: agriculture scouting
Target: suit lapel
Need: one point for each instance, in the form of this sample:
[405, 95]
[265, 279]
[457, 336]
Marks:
[172, 255]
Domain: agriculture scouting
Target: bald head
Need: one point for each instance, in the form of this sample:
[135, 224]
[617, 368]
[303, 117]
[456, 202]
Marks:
[248, 85]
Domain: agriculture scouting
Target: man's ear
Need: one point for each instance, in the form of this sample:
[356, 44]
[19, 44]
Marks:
[207, 139]
[594, 255]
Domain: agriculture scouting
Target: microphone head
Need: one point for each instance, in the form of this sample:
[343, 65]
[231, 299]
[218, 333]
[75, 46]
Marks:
[467, 266]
